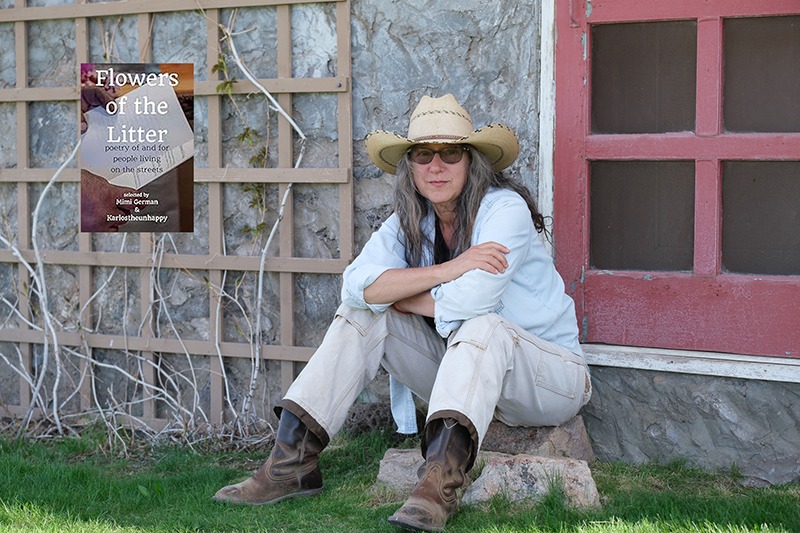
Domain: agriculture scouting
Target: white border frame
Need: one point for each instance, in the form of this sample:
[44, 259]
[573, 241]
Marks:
[699, 363]
[547, 110]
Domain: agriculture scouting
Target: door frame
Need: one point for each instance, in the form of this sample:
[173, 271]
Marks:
[701, 311]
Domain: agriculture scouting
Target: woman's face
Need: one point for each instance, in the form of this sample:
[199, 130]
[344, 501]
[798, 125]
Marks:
[438, 181]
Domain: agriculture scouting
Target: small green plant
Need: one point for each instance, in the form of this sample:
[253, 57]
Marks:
[247, 136]
[255, 192]
[259, 160]
[736, 473]
[228, 82]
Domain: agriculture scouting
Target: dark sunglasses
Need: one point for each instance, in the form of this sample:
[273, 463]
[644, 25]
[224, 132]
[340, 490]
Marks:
[448, 154]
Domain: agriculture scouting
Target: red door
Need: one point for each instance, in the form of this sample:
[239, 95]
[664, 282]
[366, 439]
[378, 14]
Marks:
[677, 172]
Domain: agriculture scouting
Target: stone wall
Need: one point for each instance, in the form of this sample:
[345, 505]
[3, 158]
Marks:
[714, 423]
[486, 53]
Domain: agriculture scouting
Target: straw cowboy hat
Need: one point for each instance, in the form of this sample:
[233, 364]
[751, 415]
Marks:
[443, 121]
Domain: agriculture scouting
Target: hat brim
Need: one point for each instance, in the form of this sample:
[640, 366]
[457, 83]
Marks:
[496, 141]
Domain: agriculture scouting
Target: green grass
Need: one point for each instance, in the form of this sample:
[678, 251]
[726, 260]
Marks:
[73, 485]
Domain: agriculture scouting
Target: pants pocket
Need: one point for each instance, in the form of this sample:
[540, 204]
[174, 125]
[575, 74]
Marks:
[563, 377]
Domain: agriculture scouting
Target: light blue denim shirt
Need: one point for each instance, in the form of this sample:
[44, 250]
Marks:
[529, 293]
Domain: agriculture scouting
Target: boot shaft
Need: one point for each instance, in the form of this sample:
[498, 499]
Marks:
[295, 453]
[449, 449]
[292, 468]
[295, 443]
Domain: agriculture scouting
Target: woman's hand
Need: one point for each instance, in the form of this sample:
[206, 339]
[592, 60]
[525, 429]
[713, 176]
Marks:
[488, 256]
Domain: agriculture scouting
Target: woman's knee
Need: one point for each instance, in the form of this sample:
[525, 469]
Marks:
[479, 330]
[361, 319]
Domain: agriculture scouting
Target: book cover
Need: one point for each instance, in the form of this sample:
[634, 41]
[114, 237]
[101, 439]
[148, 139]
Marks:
[137, 147]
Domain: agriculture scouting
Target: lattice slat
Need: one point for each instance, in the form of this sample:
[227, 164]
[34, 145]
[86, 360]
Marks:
[213, 262]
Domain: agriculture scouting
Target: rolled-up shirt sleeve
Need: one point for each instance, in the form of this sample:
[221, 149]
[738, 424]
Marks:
[508, 222]
[383, 251]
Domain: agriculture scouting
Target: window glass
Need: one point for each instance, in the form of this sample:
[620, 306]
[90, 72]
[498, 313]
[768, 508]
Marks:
[761, 217]
[644, 77]
[642, 215]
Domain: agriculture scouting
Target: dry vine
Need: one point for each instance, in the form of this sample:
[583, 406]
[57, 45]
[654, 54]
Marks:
[54, 385]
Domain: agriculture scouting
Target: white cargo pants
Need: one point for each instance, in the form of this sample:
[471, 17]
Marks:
[488, 368]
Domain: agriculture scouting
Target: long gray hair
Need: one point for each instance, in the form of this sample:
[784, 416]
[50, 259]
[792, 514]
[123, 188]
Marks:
[412, 208]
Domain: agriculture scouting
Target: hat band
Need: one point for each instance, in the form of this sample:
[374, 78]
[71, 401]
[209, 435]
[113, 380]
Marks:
[431, 137]
[464, 115]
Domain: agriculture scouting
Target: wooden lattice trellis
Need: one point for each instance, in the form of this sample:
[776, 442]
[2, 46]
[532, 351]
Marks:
[214, 262]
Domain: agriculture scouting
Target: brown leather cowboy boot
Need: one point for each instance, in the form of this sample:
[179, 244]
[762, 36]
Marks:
[291, 470]
[448, 458]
